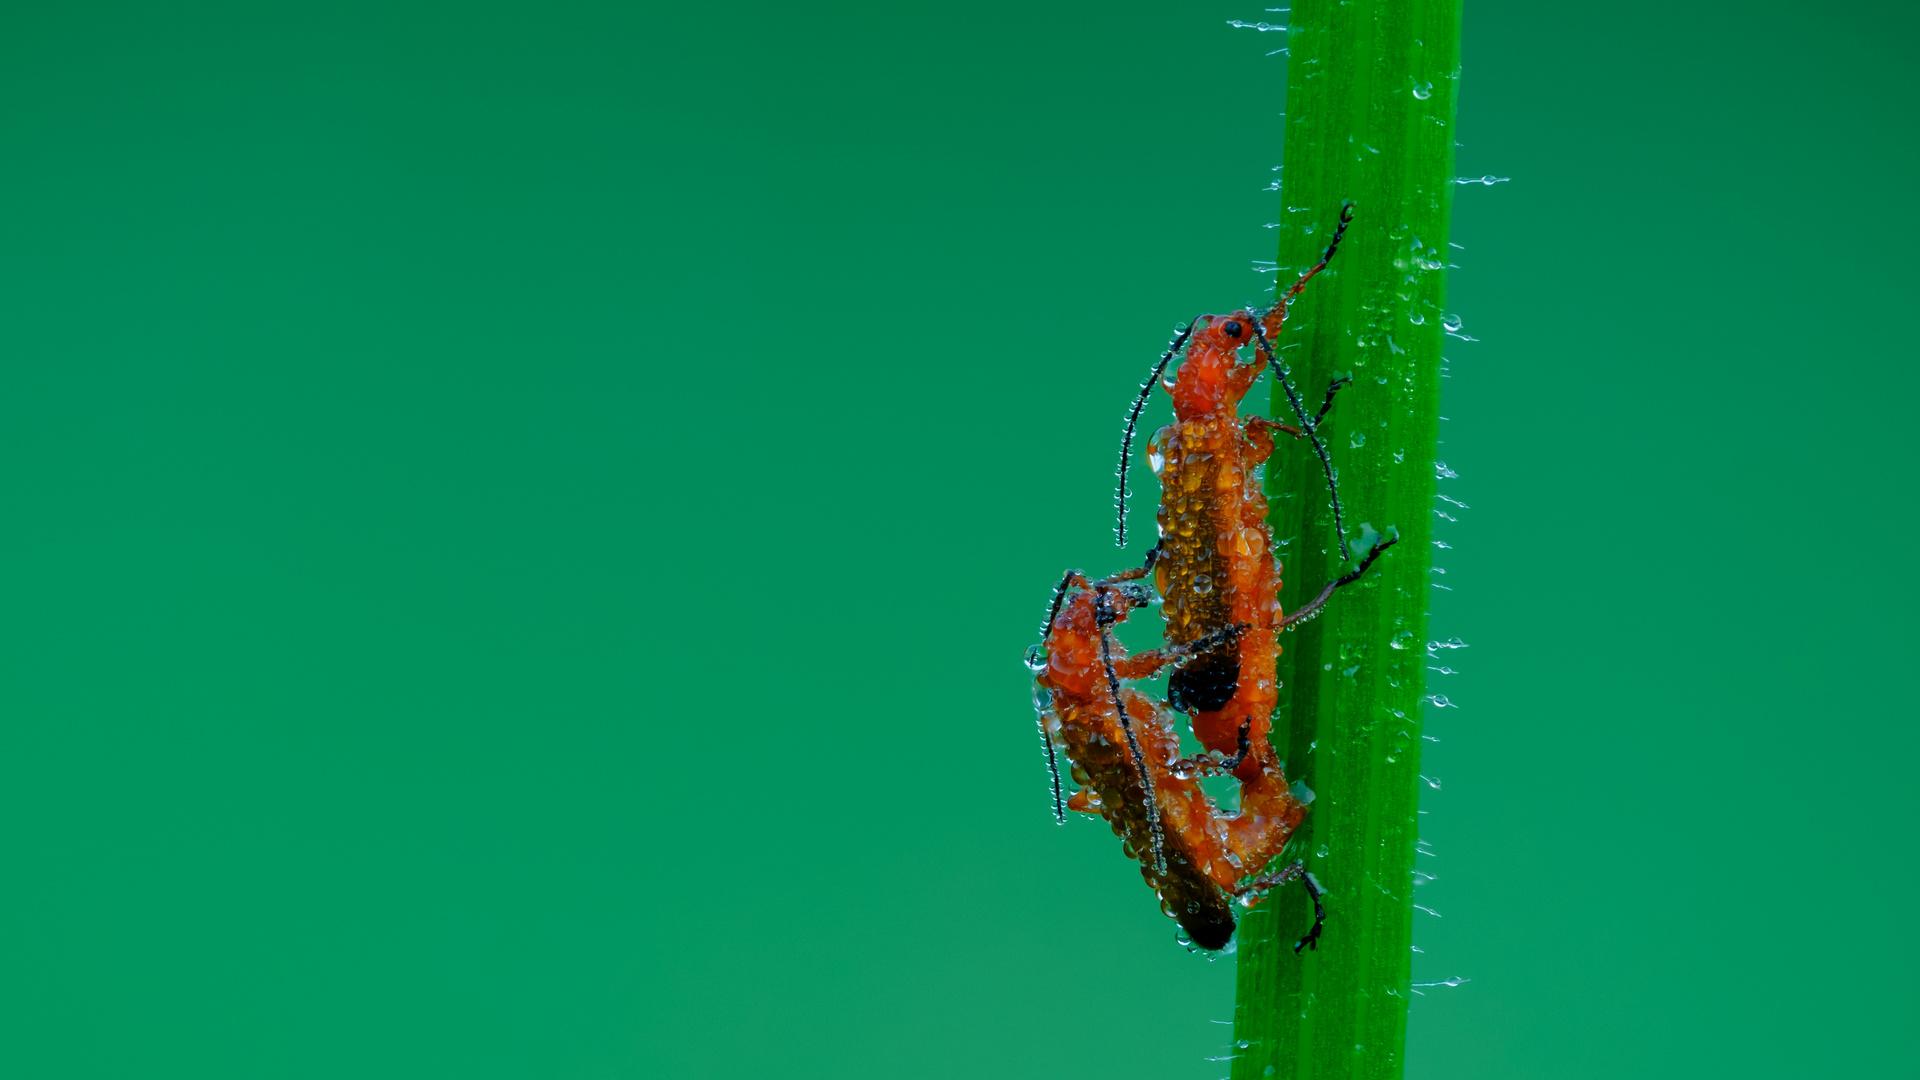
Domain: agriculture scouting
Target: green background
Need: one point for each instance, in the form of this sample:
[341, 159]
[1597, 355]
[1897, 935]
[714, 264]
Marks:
[522, 523]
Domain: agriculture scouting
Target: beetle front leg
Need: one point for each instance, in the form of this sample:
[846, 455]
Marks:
[1260, 431]
[1138, 572]
[1312, 608]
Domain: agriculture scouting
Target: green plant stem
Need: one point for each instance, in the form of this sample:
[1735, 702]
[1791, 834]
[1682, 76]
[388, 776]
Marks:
[1370, 113]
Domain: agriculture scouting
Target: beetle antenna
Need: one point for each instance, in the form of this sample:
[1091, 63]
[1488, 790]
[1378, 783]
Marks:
[1046, 739]
[1277, 316]
[1053, 612]
[1139, 760]
[1340, 230]
[1053, 771]
[1311, 427]
[1133, 418]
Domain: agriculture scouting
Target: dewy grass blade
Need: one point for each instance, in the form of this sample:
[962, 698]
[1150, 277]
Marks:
[1370, 115]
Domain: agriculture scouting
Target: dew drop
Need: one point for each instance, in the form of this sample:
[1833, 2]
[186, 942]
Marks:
[1423, 91]
[1451, 323]
[1358, 440]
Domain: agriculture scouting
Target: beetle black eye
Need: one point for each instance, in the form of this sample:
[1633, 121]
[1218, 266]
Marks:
[1231, 329]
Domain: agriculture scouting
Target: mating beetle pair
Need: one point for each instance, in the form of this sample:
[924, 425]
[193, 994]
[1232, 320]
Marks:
[1215, 571]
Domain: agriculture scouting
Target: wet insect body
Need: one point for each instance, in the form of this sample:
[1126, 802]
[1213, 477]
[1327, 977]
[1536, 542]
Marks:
[1125, 750]
[1214, 562]
[1214, 565]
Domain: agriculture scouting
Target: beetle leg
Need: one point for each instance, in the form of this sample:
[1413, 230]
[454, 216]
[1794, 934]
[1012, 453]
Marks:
[1147, 664]
[1327, 403]
[1211, 766]
[1138, 572]
[1260, 431]
[1312, 609]
[1320, 911]
[1267, 882]
[1312, 940]
[1245, 747]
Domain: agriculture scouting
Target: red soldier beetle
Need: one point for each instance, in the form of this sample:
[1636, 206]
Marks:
[1124, 749]
[1214, 565]
[1214, 562]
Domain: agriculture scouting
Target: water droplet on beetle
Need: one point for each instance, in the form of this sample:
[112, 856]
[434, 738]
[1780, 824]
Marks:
[1202, 584]
[1036, 658]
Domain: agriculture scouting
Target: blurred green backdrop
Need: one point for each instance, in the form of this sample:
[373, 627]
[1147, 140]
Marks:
[523, 520]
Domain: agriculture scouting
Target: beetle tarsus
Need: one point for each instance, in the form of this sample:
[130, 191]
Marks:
[1312, 940]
